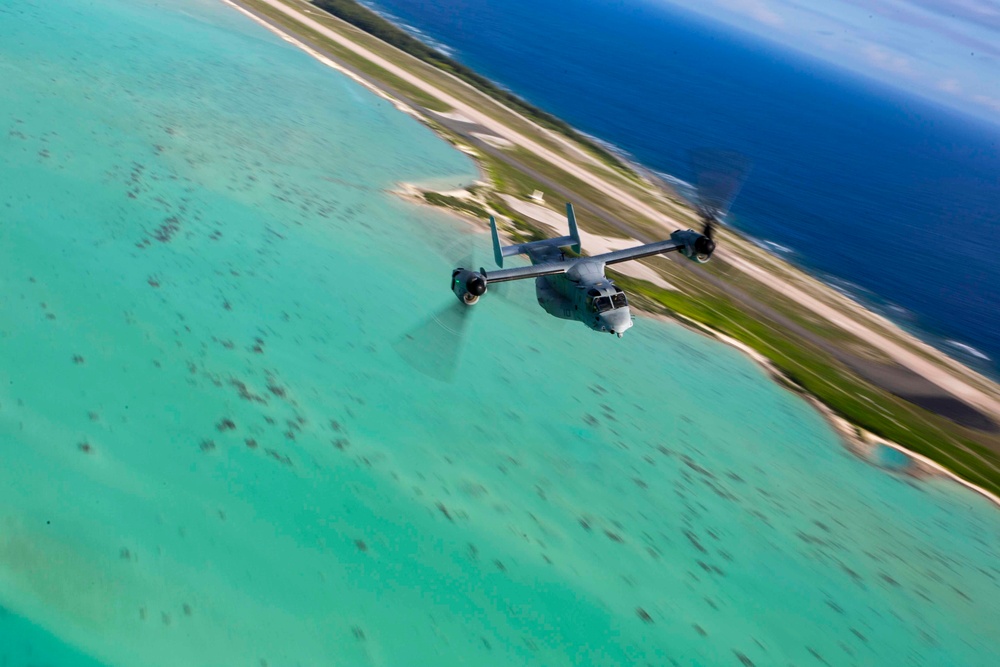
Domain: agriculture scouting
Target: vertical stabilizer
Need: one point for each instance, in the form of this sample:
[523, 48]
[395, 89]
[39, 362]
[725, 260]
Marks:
[573, 233]
[497, 250]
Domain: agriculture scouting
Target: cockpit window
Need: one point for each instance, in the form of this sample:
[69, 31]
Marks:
[602, 304]
[618, 300]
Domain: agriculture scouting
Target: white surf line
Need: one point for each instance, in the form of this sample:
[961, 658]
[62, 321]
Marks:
[809, 281]
[914, 362]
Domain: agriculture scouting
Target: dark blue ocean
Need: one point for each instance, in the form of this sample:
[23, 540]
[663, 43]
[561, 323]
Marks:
[888, 196]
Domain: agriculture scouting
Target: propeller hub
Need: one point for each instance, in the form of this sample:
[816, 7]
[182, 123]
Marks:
[704, 246]
[476, 285]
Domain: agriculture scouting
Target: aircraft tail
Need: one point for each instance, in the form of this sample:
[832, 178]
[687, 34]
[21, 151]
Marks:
[572, 240]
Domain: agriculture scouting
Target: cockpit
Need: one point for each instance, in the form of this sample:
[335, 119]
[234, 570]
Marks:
[602, 304]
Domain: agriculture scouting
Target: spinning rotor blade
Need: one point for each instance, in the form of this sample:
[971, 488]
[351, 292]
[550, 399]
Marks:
[718, 177]
[434, 347]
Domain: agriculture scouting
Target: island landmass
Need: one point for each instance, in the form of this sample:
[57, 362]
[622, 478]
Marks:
[879, 386]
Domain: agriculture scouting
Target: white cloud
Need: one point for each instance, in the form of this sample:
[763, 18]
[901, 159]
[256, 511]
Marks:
[758, 10]
[950, 86]
[991, 103]
[890, 61]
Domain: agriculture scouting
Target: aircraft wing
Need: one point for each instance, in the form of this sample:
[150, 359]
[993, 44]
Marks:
[638, 252]
[522, 272]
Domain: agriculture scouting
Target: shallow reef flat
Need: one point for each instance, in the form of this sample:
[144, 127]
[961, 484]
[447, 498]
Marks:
[213, 454]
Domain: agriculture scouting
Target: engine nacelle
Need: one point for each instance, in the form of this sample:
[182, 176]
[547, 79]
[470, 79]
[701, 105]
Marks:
[467, 285]
[697, 247]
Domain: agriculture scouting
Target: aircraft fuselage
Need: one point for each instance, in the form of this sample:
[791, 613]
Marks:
[583, 293]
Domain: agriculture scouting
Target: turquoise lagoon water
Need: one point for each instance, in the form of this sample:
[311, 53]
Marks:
[212, 454]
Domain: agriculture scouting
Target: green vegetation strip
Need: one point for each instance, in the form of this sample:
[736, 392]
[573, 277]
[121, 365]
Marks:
[456, 203]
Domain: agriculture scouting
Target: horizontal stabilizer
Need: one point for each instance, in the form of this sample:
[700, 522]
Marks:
[571, 241]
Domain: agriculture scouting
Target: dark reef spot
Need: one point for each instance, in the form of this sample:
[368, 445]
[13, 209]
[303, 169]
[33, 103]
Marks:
[887, 579]
[585, 523]
[614, 537]
[85, 447]
[207, 445]
[165, 232]
[445, 512]
[700, 630]
[360, 544]
[358, 633]
[816, 655]
[643, 614]
[125, 554]
[278, 456]
[78, 359]
[246, 394]
[186, 608]
[226, 424]
[251, 443]
[744, 660]
[499, 565]
[694, 541]
[341, 443]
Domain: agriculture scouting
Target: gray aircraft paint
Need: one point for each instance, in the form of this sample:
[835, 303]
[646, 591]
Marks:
[574, 288]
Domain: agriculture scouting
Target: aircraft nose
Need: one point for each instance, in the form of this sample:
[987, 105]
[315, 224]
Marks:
[617, 321]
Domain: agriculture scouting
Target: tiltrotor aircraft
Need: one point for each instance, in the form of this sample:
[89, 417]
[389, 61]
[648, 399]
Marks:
[572, 287]
[575, 288]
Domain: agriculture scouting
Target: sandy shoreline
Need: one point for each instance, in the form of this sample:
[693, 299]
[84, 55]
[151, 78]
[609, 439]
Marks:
[855, 438]
[958, 379]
